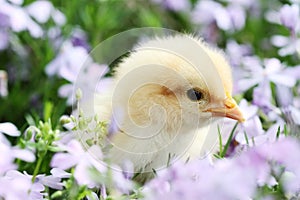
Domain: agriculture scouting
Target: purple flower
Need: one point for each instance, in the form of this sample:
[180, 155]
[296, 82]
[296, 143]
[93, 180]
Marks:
[83, 161]
[287, 45]
[75, 65]
[289, 16]
[180, 5]
[260, 74]
[52, 181]
[203, 12]
[59, 173]
[21, 18]
[15, 185]
[121, 180]
[252, 126]
[89, 81]
[236, 52]
[9, 129]
[262, 97]
[257, 72]
[228, 18]
[245, 173]
[4, 34]
[9, 153]
[68, 62]
[42, 10]
[201, 180]
[278, 152]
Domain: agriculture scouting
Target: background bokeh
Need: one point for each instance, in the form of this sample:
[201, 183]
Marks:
[43, 45]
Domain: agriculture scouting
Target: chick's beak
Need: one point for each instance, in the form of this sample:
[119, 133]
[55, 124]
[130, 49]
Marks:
[229, 109]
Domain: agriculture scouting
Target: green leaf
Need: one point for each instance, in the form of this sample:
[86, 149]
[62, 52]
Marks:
[48, 107]
[223, 153]
[220, 139]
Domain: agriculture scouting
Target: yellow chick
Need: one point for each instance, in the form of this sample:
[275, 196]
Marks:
[165, 96]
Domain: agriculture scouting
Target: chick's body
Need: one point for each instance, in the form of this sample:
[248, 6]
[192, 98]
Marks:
[165, 96]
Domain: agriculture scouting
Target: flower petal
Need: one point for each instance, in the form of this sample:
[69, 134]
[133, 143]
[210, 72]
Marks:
[9, 129]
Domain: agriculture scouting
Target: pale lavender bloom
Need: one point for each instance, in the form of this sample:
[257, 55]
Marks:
[245, 3]
[6, 159]
[56, 172]
[42, 10]
[234, 178]
[268, 136]
[20, 20]
[258, 72]
[88, 81]
[261, 74]
[289, 16]
[16, 2]
[228, 18]
[85, 161]
[295, 114]
[237, 15]
[288, 108]
[204, 12]
[79, 38]
[252, 125]
[236, 52]
[128, 169]
[15, 185]
[71, 158]
[116, 119]
[201, 180]
[9, 153]
[250, 132]
[4, 34]
[287, 45]
[68, 62]
[75, 65]
[9, 129]
[285, 152]
[103, 192]
[121, 180]
[50, 181]
[262, 97]
[82, 160]
[179, 5]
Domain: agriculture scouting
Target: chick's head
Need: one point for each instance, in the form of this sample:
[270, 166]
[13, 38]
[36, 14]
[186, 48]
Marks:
[175, 82]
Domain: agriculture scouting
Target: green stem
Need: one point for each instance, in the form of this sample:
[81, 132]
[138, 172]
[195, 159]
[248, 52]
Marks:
[37, 167]
[228, 141]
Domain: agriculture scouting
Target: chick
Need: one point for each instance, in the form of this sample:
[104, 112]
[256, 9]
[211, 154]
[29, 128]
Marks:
[165, 96]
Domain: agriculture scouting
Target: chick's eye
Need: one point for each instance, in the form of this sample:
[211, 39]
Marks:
[194, 94]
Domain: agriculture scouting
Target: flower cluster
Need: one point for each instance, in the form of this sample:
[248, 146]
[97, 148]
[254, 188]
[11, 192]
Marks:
[244, 177]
